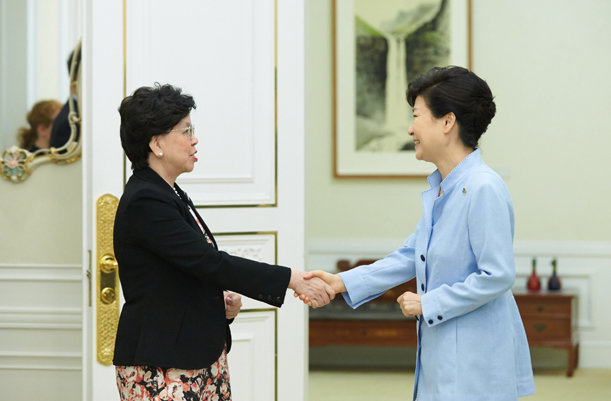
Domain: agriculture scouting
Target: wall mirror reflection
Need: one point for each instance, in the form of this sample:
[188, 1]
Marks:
[40, 55]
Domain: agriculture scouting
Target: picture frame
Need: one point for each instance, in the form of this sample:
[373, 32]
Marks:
[377, 48]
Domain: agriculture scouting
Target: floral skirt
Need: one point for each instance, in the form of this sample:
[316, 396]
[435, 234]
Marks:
[144, 383]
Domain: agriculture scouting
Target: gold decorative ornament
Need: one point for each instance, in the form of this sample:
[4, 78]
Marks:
[17, 164]
[107, 281]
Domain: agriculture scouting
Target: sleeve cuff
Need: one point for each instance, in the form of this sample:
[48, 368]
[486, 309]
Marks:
[356, 287]
[431, 309]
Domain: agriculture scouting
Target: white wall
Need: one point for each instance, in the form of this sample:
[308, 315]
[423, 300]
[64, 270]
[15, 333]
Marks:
[546, 62]
[40, 284]
[13, 71]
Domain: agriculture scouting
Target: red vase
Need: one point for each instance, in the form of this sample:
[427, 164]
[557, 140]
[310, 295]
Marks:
[534, 284]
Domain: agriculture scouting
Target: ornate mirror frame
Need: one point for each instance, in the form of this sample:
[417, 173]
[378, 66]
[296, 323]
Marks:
[17, 164]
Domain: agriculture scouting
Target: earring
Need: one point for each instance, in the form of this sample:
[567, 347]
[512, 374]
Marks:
[160, 154]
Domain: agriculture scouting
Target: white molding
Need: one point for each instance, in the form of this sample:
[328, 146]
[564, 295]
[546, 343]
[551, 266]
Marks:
[597, 344]
[41, 272]
[590, 249]
[30, 310]
[32, 52]
[218, 179]
[41, 277]
[63, 49]
[39, 354]
[38, 266]
[39, 367]
[40, 318]
[521, 248]
[40, 360]
[41, 326]
[3, 57]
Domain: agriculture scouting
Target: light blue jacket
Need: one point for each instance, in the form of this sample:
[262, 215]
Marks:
[471, 341]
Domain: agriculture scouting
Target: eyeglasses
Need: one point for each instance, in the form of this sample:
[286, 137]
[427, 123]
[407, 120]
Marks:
[190, 130]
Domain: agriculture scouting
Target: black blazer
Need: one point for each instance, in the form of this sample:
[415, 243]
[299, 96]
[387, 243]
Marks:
[60, 133]
[173, 280]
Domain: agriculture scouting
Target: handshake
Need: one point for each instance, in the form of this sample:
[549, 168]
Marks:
[316, 288]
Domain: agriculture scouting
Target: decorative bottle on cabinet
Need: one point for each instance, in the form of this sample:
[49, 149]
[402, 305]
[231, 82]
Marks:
[554, 282]
[534, 284]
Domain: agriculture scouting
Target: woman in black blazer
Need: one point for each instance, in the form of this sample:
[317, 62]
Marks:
[173, 333]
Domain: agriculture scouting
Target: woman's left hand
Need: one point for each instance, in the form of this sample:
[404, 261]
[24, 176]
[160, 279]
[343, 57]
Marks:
[233, 303]
[410, 304]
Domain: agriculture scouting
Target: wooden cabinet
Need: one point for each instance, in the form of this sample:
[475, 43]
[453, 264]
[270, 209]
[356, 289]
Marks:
[379, 322]
[363, 332]
[550, 320]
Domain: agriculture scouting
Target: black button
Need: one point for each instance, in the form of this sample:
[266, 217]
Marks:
[422, 287]
[439, 317]
[269, 297]
[422, 258]
[278, 299]
[260, 296]
[430, 321]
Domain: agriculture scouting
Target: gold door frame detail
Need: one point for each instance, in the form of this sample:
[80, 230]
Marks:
[275, 204]
[107, 287]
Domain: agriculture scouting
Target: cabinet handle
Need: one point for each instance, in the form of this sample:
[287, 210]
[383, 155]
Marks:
[539, 327]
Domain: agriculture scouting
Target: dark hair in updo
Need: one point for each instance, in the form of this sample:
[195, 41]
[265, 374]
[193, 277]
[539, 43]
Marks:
[456, 90]
[149, 112]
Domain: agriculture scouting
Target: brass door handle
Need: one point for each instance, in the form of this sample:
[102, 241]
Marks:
[107, 280]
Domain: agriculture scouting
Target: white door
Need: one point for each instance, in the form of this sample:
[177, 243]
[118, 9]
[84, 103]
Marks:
[244, 64]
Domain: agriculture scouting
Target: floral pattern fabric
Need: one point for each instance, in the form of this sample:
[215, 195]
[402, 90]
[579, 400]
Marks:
[150, 383]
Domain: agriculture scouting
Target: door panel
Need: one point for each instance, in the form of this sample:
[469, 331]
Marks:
[223, 56]
[252, 360]
[250, 152]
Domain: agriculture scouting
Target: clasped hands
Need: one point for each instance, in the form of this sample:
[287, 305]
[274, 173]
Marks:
[410, 303]
[312, 290]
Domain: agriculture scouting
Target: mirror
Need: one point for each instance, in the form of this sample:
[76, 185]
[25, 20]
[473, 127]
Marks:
[36, 126]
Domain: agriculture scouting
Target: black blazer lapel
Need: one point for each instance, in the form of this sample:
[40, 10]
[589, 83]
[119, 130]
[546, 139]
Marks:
[189, 204]
[203, 224]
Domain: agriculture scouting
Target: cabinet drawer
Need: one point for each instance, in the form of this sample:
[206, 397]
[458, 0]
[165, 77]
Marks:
[547, 329]
[544, 307]
[362, 333]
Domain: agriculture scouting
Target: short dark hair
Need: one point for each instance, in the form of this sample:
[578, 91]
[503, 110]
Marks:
[149, 112]
[460, 91]
[78, 61]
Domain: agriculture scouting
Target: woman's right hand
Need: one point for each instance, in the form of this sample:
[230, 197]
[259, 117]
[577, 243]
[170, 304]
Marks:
[334, 280]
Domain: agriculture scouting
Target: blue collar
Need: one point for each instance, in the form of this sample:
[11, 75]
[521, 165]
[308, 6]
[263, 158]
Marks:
[469, 162]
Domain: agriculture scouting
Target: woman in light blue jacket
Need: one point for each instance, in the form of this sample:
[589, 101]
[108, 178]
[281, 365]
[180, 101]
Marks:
[471, 341]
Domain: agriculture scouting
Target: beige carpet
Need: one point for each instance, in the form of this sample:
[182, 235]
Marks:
[551, 385]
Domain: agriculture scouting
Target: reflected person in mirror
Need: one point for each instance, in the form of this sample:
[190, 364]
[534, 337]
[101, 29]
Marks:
[471, 341]
[173, 335]
[40, 120]
[61, 132]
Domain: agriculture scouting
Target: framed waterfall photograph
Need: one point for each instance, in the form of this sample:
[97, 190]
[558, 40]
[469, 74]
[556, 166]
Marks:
[378, 48]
